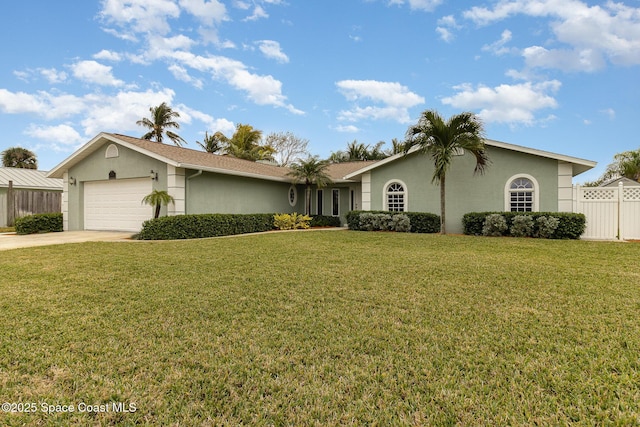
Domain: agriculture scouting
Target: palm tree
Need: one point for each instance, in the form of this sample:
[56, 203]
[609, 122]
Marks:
[310, 171]
[442, 140]
[161, 119]
[245, 144]
[158, 198]
[212, 143]
[626, 164]
[18, 157]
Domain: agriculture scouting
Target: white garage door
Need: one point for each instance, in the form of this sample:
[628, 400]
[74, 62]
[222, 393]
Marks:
[116, 204]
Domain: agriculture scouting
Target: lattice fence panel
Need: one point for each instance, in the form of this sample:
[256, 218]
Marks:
[599, 194]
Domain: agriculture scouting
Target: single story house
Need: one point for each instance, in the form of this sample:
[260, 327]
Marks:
[27, 191]
[105, 180]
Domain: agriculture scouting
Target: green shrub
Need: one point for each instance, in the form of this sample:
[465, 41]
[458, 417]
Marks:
[494, 225]
[400, 223]
[570, 225]
[546, 226]
[204, 225]
[421, 222]
[39, 223]
[325, 221]
[292, 221]
[522, 226]
[384, 222]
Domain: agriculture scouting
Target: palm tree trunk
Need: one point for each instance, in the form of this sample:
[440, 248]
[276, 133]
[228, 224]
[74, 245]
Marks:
[157, 210]
[443, 228]
[307, 207]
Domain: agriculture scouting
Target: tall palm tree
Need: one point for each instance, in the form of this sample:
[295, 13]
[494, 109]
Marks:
[161, 118]
[18, 157]
[212, 143]
[442, 140]
[158, 198]
[310, 171]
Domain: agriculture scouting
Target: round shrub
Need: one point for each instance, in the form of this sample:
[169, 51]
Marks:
[494, 225]
[522, 226]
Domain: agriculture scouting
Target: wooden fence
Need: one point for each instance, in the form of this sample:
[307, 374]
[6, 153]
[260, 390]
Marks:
[612, 213]
[16, 203]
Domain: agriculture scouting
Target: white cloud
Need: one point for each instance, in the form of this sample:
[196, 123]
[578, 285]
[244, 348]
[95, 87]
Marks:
[347, 129]
[263, 90]
[121, 111]
[498, 47]
[272, 50]
[108, 55]
[445, 25]
[424, 5]
[258, 13]
[141, 16]
[22, 75]
[44, 104]
[514, 104]
[188, 114]
[593, 35]
[62, 134]
[395, 98]
[609, 112]
[53, 76]
[94, 72]
[181, 73]
[208, 12]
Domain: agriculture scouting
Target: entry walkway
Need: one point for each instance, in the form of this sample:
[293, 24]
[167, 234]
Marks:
[14, 241]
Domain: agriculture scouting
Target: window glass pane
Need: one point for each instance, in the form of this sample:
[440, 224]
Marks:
[336, 202]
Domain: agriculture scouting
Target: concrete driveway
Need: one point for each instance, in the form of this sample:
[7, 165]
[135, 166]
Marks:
[14, 241]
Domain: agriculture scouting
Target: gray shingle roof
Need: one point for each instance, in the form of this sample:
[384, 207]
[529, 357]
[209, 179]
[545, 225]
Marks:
[195, 159]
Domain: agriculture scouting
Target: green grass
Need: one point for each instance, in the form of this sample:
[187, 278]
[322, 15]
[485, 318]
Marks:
[325, 328]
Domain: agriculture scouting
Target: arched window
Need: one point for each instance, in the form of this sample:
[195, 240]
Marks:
[521, 194]
[112, 151]
[395, 197]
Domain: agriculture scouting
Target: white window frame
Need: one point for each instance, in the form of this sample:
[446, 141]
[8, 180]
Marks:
[333, 204]
[111, 152]
[385, 194]
[536, 192]
[319, 197]
[295, 195]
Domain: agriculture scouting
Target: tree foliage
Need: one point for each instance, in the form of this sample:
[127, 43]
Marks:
[162, 117]
[309, 172]
[18, 157]
[288, 148]
[212, 143]
[443, 139]
[245, 143]
[625, 164]
[358, 151]
[158, 198]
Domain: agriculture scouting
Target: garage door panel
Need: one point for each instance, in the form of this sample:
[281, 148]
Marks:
[116, 204]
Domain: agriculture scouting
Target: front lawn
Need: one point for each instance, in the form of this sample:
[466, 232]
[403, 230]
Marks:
[322, 328]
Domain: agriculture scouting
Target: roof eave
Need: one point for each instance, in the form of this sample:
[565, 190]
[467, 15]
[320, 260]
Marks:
[88, 148]
[234, 173]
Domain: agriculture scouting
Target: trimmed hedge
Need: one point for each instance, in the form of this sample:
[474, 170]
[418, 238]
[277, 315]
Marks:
[39, 223]
[570, 226]
[204, 225]
[421, 222]
[325, 221]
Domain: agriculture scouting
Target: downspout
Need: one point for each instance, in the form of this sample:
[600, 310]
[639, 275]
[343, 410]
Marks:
[189, 178]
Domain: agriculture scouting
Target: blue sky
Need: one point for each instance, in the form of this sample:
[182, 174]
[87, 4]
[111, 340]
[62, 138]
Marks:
[556, 75]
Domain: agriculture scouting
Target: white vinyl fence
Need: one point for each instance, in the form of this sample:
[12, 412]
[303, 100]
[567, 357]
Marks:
[612, 212]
